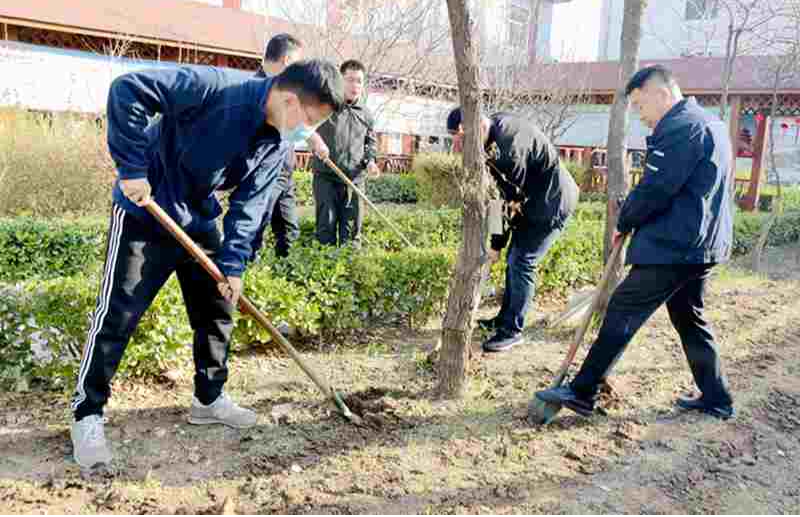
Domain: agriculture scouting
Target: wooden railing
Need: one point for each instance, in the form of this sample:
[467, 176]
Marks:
[391, 163]
[595, 160]
[596, 179]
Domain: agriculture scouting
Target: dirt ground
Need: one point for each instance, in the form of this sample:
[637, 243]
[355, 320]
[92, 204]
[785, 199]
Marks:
[424, 456]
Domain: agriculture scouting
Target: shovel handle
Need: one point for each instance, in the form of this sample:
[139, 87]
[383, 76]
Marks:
[584, 325]
[363, 196]
[245, 305]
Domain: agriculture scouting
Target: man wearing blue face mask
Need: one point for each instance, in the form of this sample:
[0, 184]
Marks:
[348, 137]
[218, 130]
[282, 50]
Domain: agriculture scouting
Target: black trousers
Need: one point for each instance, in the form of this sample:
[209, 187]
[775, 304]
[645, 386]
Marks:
[339, 215]
[284, 220]
[644, 290]
[138, 263]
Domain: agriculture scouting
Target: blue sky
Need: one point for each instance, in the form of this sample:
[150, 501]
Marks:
[576, 30]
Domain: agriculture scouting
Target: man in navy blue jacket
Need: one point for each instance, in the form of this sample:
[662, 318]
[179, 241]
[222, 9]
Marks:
[178, 135]
[680, 216]
[282, 50]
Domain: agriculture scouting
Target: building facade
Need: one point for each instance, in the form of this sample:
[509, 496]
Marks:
[58, 55]
[685, 28]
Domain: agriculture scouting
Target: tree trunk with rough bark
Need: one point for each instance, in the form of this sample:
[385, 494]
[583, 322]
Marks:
[456, 349]
[618, 178]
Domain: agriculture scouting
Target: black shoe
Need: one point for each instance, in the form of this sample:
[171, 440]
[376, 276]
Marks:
[725, 412]
[569, 399]
[501, 342]
[490, 324]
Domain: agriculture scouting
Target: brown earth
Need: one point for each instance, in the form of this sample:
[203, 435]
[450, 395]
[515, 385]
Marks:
[420, 455]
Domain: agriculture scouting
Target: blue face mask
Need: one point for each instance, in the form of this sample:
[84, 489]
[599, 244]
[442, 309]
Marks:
[299, 133]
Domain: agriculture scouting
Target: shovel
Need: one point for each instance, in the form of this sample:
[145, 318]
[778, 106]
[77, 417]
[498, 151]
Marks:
[541, 412]
[247, 307]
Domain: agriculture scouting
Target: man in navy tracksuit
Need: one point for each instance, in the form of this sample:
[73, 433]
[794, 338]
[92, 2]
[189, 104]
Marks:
[540, 195]
[217, 130]
[282, 50]
[680, 214]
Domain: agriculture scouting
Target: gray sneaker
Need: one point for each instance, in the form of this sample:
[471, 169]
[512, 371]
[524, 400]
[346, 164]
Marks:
[89, 442]
[222, 411]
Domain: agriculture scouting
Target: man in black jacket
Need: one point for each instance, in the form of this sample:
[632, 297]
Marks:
[540, 195]
[282, 50]
[681, 215]
[348, 138]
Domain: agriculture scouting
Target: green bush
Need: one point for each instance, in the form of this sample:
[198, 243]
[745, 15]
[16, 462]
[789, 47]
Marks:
[392, 188]
[437, 179]
[44, 324]
[387, 188]
[786, 230]
[577, 170]
[48, 248]
[51, 166]
[303, 191]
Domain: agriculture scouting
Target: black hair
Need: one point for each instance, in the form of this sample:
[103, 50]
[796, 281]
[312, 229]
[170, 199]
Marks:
[352, 64]
[454, 120]
[315, 81]
[280, 45]
[641, 77]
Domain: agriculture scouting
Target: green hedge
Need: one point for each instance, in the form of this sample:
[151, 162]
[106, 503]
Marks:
[49, 248]
[437, 179]
[45, 248]
[387, 188]
[319, 290]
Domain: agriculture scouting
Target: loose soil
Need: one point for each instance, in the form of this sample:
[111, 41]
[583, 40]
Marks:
[415, 454]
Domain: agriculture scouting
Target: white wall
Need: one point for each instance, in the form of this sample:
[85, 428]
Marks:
[47, 79]
[51, 79]
[667, 34]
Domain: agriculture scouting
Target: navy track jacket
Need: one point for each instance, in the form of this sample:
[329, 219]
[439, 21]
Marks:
[192, 131]
[681, 209]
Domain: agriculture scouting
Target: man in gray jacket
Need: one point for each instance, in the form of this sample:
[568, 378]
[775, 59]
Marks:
[348, 138]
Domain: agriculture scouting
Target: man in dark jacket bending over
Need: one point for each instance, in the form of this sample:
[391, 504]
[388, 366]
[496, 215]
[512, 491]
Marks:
[681, 217]
[540, 195]
[218, 130]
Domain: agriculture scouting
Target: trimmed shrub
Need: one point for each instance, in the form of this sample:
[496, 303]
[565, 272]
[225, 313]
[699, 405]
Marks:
[577, 170]
[392, 188]
[437, 179]
[49, 248]
[387, 188]
[44, 323]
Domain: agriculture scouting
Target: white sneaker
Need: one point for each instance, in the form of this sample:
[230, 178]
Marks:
[89, 442]
[222, 411]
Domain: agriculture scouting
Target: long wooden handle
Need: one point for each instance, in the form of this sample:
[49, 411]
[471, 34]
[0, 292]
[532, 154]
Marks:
[584, 326]
[245, 305]
[363, 196]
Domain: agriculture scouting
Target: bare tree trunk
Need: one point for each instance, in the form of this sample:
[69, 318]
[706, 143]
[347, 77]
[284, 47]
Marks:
[731, 49]
[618, 179]
[464, 295]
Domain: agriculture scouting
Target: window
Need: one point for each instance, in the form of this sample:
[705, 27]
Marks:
[702, 9]
[519, 23]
